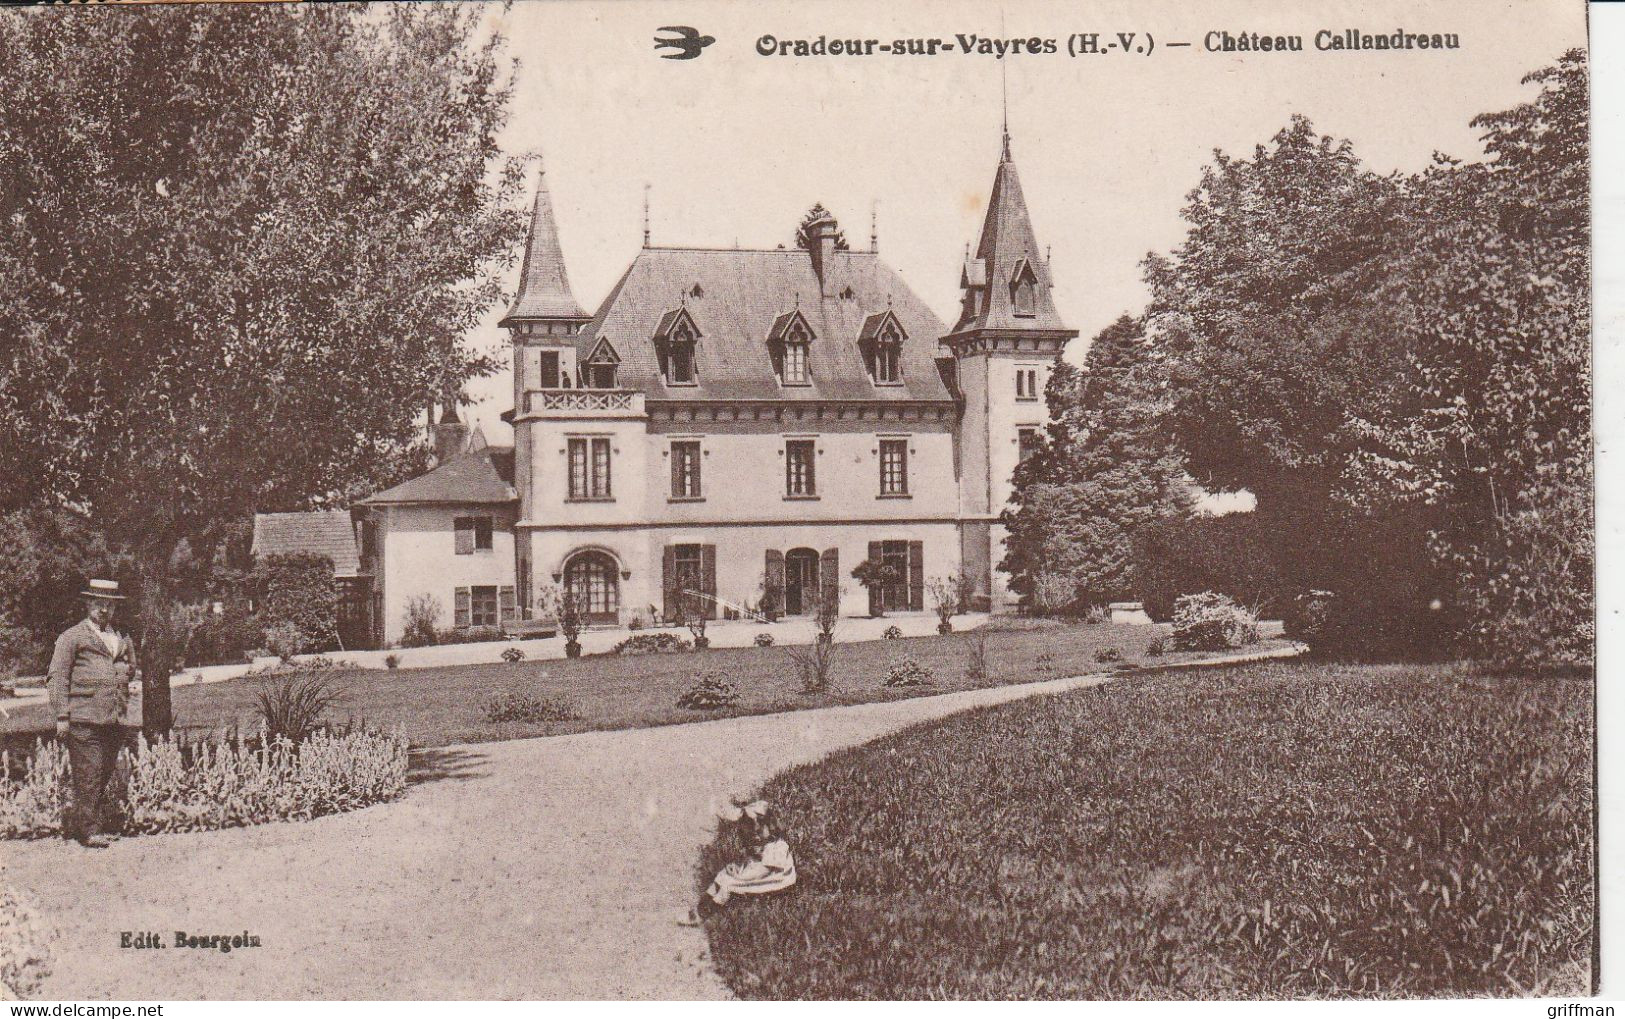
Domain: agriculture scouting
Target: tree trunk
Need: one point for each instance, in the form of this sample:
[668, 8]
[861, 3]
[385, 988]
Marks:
[160, 646]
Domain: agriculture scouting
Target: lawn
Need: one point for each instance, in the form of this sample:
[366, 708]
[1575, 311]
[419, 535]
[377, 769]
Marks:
[439, 706]
[1287, 830]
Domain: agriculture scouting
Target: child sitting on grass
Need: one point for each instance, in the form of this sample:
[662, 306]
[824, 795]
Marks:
[768, 865]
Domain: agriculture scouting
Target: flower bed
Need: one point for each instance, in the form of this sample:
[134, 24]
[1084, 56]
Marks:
[218, 784]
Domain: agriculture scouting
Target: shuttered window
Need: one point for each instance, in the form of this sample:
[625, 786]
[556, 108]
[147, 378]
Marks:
[484, 606]
[460, 611]
[473, 534]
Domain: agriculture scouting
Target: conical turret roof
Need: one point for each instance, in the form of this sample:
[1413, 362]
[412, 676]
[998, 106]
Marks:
[1007, 250]
[544, 287]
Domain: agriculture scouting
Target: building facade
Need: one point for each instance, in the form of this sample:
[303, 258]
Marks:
[740, 428]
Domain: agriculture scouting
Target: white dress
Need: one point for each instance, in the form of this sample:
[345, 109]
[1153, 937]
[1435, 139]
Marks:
[774, 872]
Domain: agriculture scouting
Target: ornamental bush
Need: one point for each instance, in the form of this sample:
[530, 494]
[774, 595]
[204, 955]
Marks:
[892, 633]
[710, 692]
[908, 672]
[521, 707]
[764, 640]
[300, 593]
[222, 783]
[422, 621]
[650, 644]
[513, 654]
[1212, 622]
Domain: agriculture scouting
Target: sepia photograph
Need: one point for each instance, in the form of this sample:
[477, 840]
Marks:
[700, 500]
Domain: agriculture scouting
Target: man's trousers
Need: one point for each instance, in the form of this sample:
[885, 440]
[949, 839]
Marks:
[92, 755]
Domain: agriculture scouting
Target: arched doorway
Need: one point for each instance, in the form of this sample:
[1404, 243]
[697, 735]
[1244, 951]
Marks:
[593, 576]
[800, 582]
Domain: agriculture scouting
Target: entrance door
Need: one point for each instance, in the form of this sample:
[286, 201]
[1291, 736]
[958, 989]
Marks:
[800, 582]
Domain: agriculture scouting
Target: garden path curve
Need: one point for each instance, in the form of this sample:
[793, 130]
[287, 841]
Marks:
[540, 868]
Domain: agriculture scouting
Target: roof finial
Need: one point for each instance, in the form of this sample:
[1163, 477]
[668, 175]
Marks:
[646, 187]
[1004, 95]
[874, 231]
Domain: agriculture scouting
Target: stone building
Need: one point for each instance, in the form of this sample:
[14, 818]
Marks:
[748, 425]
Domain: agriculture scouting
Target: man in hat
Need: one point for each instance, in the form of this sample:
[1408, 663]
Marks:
[91, 670]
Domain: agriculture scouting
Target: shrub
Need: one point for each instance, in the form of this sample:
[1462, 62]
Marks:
[908, 672]
[709, 693]
[1095, 615]
[24, 950]
[513, 654]
[635, 623]
[764, 640]
[1108, 654]
[470, 635]
[222, 783]
[392, 661]
[1053, 594]
[1155, 647]
[291, 706]
[650, 644]
[520, 707]
[1045, 662]
[226, 638]
[948, 598]
[976, 658]
[422, 621]
[299, 592]
[875, 577]
[892, 633]
[1212, 622]
[813, 665]
[284, 640]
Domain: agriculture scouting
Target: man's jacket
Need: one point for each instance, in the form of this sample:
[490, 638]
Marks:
[87, 684]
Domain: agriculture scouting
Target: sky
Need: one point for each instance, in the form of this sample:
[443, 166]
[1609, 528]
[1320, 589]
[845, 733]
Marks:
[736, 146]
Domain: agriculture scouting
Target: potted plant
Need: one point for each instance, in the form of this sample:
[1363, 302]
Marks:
[572, 617]
[947, 599]
[874, 577]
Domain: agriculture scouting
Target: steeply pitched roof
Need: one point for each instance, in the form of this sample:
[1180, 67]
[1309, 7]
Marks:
[319, 532]
[739, 297]
[1007, 239]
[544, 287]
[484, 476]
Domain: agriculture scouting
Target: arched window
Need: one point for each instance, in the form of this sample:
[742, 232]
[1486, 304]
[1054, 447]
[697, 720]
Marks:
[591, 578]
[796, 344]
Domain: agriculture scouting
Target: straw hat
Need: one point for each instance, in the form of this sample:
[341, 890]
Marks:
[107, 589]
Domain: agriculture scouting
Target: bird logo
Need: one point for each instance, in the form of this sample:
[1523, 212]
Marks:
[689, 42]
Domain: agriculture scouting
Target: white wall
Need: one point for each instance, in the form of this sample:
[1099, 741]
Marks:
[420, 557]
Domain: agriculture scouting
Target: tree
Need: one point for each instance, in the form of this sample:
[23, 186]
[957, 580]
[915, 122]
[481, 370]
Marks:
[814, 214]
[242, 244]
[1496, 442]
[1103, 472]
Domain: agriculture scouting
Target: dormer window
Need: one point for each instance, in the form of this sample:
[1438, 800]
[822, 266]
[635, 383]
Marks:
[1024, 290]
[676, 340]
[881, 342]
[598, 371]
[680, 357]
[789, 343]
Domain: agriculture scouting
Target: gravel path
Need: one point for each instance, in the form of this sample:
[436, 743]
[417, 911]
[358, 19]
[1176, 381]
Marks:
[543, 868]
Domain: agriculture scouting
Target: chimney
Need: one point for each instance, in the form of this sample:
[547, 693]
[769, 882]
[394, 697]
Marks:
[450, 436]
[821, 246]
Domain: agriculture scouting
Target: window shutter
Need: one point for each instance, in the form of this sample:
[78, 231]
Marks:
[505, 600]
[916, 576]
[676, 453]
[465, 535]
[829, 576]
[461, 614]
[708, 578]
[668, 577]
[877, 592]
[774, 577]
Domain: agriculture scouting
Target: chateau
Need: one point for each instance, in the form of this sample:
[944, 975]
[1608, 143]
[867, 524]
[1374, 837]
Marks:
[744, 423]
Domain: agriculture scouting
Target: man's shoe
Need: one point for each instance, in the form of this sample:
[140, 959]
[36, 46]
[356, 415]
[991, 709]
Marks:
[95, 842]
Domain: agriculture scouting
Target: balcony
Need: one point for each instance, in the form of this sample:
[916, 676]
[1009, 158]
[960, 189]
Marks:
[584, 403]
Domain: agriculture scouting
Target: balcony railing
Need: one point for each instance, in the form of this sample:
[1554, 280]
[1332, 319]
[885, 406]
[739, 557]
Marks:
[584, 402]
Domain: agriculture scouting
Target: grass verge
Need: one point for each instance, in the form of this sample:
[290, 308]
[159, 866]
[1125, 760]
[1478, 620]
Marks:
[1269, 831]
[439, 706]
